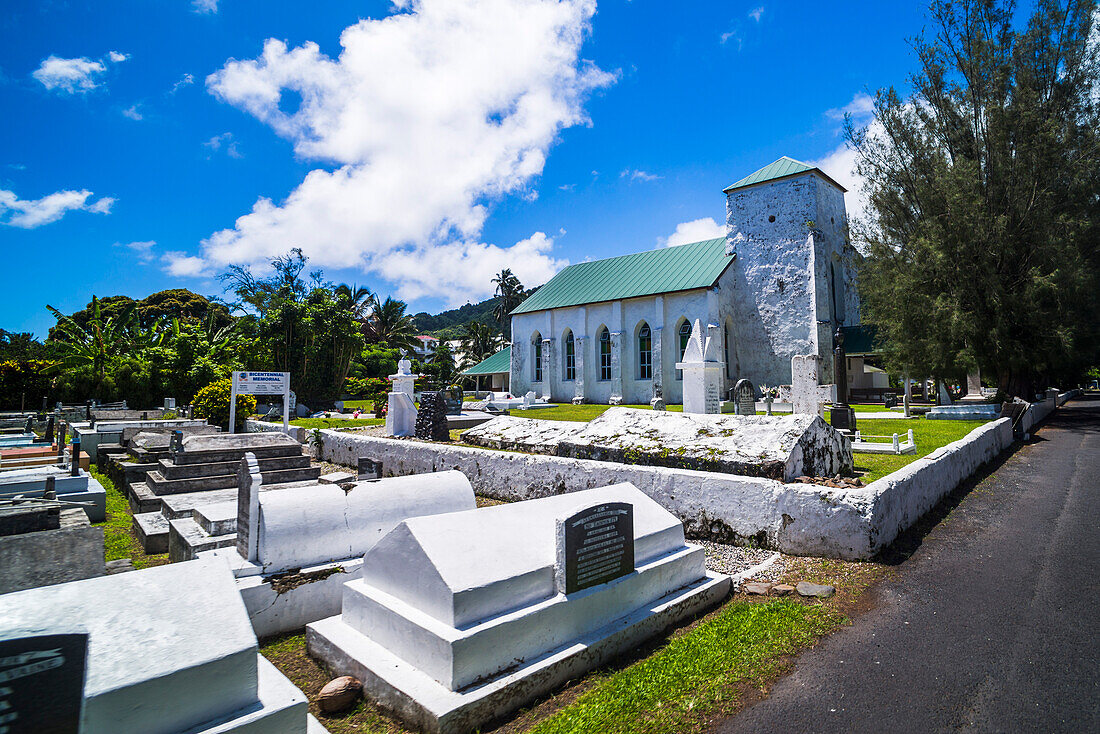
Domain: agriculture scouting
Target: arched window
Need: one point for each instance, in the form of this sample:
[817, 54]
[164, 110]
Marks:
[684, 332]
[645, 353]
[605, 354]
[536, 357]
[570, 357]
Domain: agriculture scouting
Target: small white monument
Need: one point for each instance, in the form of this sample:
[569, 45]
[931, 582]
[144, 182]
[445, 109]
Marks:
[461, 618]
[807, 396]
[400, 408]
[702, 367]
[973, 388]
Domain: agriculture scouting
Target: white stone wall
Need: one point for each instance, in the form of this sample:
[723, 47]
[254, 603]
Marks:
[800, 519]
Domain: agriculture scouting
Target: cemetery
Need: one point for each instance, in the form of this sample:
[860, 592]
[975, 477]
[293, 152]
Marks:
[293, 507]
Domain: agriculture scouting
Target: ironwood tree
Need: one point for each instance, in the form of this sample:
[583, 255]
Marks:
[982, 233]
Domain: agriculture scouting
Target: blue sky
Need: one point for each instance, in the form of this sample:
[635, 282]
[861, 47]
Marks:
[146, 145]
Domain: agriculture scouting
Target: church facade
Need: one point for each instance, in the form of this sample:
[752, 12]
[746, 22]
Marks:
[778, 284]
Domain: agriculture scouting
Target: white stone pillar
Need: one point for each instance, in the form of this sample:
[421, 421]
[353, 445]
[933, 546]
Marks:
[547, 363]
[580, 348]
[905, 393]
[658, 361]
[616, 369]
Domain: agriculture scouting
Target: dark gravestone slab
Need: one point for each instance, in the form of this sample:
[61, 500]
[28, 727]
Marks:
[594, 546]
[42, 683]
[453, 396]
[369, 469]
[745, 394]
[431, 418]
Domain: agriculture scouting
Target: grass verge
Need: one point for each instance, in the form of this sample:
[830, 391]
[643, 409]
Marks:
[118, 529]
[703, 672]
[336, 422]
[929, 435]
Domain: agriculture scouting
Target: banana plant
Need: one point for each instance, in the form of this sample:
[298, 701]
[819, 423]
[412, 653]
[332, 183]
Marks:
[93, 345]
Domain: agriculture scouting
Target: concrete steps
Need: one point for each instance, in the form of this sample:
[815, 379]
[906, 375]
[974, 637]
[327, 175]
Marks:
[160, 485]
[171, 470]
[151, 529]
[186, 538]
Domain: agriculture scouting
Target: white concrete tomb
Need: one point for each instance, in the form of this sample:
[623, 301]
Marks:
[169, 650]
[458, 619]
[297, 546]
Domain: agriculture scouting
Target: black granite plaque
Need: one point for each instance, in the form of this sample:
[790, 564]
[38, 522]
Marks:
[42, 684]
[595, 546]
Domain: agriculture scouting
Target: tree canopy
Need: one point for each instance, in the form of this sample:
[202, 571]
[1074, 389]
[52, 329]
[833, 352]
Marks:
[982, 237]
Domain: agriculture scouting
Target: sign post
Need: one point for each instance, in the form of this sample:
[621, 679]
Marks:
[260, 383]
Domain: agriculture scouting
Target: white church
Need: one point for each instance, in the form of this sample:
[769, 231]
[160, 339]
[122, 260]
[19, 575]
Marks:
[777, 285]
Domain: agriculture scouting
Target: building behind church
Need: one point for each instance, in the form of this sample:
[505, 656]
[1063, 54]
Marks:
[778, 284]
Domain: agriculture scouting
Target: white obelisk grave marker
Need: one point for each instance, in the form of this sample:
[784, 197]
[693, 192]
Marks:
[702, 367]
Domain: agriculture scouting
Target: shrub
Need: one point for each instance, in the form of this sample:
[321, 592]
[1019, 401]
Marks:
[212, 403]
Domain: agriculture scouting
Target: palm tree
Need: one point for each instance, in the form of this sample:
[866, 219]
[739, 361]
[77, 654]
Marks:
[359, 297]
[444, 358]
[510, 292]
[478, 342]
[93, 345]
[388, 324]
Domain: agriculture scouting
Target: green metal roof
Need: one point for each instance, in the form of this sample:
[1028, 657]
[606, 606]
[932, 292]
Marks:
[679, 268]
[781, 168]
[860, 340]
[494, 365]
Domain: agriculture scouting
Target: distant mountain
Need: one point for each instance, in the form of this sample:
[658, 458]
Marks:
[448, 325]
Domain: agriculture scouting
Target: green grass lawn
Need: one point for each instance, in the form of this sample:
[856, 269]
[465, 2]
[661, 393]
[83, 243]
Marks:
[570, 412]
[336, 422]
[929, 435]
[872, 408]
[118, 533]
[361, 404]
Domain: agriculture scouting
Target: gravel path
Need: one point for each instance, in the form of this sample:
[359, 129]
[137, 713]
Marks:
[731, 559]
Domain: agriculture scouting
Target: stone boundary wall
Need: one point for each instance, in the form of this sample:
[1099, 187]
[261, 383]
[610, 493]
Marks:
[799, 519]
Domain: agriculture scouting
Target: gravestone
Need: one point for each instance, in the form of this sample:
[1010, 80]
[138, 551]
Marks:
[431, 419]
[943, 393]
[486, 629]
[702, 370]
[249, 481]
[842, 416]
[807, 396]
[594, 545]
[744, 395]
[369, 469]
[658, 401]
[403, 380]
[973, 388]
[401, 415]
[32, 665]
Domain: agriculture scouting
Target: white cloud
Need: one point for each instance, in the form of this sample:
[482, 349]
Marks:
[732, 34]
[840, 165]
[204, 6]
[757, 13]
[69, 75]
[185, 81]
[143, 250]
[430, 115]
[183, 265]
[133, 113]
[225, 140]
[696, 230]
[861, 108]
[31, 213]
[636, 175]
[74, 75]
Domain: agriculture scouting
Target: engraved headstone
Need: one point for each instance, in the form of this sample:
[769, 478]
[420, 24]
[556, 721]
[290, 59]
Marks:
[594, 546]
[702, 368]
[42, 683]
[249, 481]
[369, 469]
[807, 396]
[744, 392]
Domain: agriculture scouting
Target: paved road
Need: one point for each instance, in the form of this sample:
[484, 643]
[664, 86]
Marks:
[991, 625]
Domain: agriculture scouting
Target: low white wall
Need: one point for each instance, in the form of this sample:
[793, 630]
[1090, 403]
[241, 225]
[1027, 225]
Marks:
[796, 518]
[273, 613]
[901, 498]
[800, 519]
